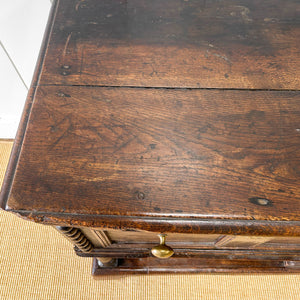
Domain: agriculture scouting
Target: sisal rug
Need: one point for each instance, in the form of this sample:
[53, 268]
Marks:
[36, 262]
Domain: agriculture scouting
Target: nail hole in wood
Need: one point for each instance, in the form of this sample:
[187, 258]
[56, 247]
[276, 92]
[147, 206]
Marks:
[261, 201]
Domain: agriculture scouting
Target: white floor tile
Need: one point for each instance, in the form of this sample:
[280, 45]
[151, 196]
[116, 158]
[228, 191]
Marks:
[12, 97]
[22, 25]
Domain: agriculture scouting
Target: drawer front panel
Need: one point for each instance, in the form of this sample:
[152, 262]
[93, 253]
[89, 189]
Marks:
[139, 239]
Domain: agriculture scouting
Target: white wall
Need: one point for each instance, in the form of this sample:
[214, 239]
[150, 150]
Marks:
[22, 25]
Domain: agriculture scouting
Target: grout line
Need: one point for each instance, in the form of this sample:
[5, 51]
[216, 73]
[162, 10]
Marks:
[15, 67]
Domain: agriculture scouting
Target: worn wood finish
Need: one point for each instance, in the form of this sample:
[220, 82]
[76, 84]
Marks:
[209, 254]
[165, 224]
[174, 43]
[157, 152]
[9, 175]
[194, 265]
[179, 117]
[121, 238]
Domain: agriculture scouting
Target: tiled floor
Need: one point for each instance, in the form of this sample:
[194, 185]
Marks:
[22, 24]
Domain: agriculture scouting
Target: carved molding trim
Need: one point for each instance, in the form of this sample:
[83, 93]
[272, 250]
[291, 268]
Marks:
[102, 237]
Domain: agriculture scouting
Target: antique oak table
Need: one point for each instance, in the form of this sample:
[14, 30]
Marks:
[164, 136]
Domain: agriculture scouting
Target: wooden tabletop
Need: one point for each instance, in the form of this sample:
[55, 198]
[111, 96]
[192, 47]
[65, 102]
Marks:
[244, 44]
[182, 113]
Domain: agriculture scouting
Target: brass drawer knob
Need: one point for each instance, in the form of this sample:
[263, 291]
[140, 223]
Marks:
[162, 250]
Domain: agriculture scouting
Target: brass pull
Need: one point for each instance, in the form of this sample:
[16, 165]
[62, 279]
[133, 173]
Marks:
[162, 250]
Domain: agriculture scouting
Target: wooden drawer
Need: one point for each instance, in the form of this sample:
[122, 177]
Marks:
[130, 252]
[120, 238]
[177, 119]
[117, 239]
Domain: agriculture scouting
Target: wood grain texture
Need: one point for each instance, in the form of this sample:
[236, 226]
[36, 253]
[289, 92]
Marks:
[166, 116]
[123, 238]
[162, 153]
[166, 224]
[151, 265]
[242, 44]
[226, 254]
[9, 175]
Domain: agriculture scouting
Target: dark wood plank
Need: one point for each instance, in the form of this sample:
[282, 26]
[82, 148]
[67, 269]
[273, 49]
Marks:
[247, 44]
[194, 265]
[166, 116]
[180, 224]
[228, 254]
[18, 142]
[161, 153]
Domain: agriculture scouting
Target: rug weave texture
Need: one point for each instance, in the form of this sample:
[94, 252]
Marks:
[36, 262]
